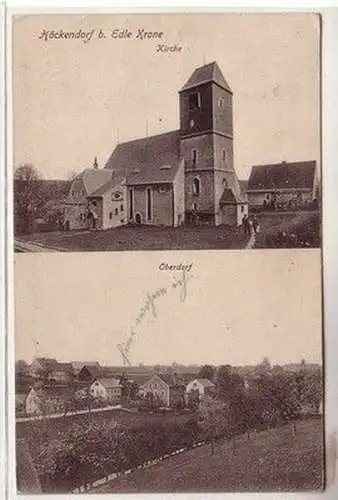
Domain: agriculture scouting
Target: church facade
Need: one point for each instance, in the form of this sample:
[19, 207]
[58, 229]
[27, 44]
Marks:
[185, 176]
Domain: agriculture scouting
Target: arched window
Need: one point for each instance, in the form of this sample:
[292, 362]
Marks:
[194, 156]
[225, 183]
[196, 186]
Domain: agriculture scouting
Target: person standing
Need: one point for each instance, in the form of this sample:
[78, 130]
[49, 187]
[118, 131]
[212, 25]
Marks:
[255, 224]
[245, 224]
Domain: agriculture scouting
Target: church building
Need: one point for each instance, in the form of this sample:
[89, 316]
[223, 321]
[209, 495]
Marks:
[183, 176]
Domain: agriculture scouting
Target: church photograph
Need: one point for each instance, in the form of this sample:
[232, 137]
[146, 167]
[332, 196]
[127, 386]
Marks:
[198, 148]
[166, 333]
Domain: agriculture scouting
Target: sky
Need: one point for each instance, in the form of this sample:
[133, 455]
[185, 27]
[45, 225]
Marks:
[73, 101]
[239, 307]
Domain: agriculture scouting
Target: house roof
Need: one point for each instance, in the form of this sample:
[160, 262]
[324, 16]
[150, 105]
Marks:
[93, 178]
[78, 365]
[94, 370]
[109, 382]
[46, 363]
[154, 159]
[63, 367]
[205, 382]
[170, 379]
[138, 378]
[283, 175]
[204, 74]
[52, 390]
[113, 182]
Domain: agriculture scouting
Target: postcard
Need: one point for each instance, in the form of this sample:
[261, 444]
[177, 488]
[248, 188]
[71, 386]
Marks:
[167, 269]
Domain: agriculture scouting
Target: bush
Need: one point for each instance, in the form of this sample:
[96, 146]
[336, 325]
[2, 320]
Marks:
[91, 450]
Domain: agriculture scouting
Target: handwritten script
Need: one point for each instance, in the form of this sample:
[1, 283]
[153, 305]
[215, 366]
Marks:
[150, 308]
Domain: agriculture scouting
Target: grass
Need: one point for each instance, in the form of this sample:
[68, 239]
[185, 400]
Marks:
[271, 224]
[269, 461]
[143, 238]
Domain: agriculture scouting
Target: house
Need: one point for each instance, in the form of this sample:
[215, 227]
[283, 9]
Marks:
[20, 401]
[285, 185]
[93, 198]
[62, 373]
[202, 386]
[47, 399]
[89, 372]
[106, 389]
[107, 204]
[41, 367]
[181, 176]
[169, 389]
[78, 365]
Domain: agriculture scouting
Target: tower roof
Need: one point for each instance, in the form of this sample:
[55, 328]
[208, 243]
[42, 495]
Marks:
[207, 73]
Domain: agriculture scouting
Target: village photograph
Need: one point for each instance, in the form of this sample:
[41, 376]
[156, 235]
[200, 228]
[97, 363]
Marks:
[166, 132]
[83, 427]
[131, 379]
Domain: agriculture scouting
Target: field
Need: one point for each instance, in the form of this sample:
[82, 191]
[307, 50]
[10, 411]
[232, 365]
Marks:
[269, 461]
[142, 238]
[51, 428]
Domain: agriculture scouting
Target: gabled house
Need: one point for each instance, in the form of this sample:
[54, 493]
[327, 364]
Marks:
[78, 365]
[196, 389]
[20, 401]
[41, 367]
[47, 399]
[285, 185]
[89, 373]
[169, 389]
[106, 389]
[78, 212]
[107, 204]
[203, 386]
[62, 373]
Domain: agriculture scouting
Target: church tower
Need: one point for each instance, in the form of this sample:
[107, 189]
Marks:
[212, 190]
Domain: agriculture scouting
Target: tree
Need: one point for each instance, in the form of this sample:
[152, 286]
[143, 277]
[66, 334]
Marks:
[207, 371]
[149, 402]
[21, 367]
[278, 399]
[227, 382]
[213, 419]
[125, 387]
[193, 399]
[313, 390]
[27, 197]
